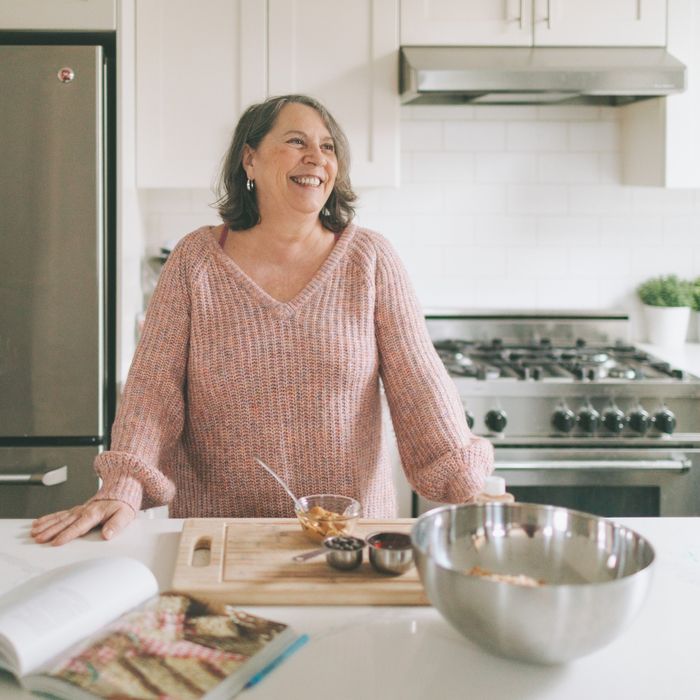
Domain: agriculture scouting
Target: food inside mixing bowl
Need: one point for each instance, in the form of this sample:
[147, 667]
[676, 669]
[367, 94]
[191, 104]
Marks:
[515, 579]
[322, 522]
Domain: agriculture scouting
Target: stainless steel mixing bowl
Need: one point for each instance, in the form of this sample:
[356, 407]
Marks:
[595, 576]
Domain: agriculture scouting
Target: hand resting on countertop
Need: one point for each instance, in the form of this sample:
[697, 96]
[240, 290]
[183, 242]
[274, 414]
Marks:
[65, 525]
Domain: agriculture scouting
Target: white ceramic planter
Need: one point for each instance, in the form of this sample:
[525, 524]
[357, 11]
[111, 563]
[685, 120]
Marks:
[667, 326]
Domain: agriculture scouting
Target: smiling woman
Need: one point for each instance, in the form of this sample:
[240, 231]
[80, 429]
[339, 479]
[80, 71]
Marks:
[270, 335]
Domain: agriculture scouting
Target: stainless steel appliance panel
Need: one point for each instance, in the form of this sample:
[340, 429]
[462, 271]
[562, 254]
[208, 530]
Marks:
[39, 480]
[51, 241]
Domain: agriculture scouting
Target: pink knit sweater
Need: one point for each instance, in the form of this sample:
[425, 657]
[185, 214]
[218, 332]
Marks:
[224, 372]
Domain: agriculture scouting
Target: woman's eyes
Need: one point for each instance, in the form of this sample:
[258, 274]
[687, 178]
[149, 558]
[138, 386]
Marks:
[298, 141]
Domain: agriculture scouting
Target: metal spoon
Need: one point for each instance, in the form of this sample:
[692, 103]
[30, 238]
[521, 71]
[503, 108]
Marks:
[297, 502]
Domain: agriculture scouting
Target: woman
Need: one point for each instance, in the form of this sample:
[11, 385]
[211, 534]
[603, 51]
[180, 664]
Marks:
[267, 336]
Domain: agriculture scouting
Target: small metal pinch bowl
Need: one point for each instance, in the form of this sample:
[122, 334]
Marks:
[390, 552]
[343, 551]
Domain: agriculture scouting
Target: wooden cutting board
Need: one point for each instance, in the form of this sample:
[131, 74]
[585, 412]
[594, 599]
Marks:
[250, 563]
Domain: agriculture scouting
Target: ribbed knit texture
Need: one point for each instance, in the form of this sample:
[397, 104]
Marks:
[224, 372]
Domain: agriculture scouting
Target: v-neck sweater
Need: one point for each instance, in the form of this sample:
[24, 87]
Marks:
[224, 373]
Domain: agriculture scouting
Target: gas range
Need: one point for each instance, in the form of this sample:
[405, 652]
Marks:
[550, 377]
[578, 415]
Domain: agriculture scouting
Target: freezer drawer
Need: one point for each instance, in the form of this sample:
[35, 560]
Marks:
[39, 480]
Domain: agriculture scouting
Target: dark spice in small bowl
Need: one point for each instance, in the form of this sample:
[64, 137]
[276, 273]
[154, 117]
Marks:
[390, 552]
[344, 551]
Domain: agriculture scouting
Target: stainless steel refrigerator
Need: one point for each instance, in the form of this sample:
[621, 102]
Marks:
[56, 270]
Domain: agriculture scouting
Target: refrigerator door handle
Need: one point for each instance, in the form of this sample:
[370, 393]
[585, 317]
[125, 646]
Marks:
[50, 477]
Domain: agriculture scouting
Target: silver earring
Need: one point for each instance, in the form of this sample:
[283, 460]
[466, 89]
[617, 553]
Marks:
[325, 211]
[249, 184]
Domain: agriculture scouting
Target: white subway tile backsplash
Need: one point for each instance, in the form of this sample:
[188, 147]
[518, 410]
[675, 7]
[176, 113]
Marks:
[568, 112]
[438, 112]
[638, 230]
[449, 166]
[412, 198]
[444, 230]
[653, 200]
[659, 260]
[538, 263]
[602, 263]
[609, 168]
[477, 261]
[536, 136]
[505, 112]
[599, 199]
[474, 136]
[567, 231]
[568, 168]
[594, 137]
[506, 293]
[573, 293]
[505, 167]
[537, 199]
[507, 207]
[421, 135]
[466, 198]
[505, 231]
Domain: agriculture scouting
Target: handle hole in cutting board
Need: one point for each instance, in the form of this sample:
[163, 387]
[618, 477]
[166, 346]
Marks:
[201, 553]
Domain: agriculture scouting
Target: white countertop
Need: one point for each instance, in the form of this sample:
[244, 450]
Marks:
[685, 357]
[386, 653]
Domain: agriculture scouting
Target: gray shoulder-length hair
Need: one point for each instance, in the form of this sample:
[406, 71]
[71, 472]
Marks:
[238, 207]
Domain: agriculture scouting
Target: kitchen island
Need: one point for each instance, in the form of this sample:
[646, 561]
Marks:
[386, 653]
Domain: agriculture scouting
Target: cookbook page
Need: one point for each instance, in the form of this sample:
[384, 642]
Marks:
[53, 611]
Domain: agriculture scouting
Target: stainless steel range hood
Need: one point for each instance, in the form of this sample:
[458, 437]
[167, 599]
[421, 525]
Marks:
[546, 75]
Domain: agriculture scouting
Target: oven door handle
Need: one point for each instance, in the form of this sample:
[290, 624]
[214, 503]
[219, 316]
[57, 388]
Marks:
[51, 477]
[669, 465]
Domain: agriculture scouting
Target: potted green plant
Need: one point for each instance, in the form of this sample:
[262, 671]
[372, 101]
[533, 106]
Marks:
[667, 301]
[695, 306]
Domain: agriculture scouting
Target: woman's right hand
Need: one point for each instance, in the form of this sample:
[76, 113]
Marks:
[65, 525]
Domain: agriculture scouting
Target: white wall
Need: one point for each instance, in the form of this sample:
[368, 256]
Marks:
[509, 208]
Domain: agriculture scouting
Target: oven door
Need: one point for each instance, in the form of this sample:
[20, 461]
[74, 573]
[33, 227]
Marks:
[608, 482]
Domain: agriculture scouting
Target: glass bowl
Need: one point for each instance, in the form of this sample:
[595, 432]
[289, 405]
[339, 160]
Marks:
[327, 515]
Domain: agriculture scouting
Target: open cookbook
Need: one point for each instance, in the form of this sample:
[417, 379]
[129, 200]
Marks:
[99, 628]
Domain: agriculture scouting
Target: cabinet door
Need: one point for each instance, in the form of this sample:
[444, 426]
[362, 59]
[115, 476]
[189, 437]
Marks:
[64, 15]
[600, 23]
[344, 54]
[198, 65]
[473, 22]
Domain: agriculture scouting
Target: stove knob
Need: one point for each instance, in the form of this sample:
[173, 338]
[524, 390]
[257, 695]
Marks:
[588, 419]
[614, 420]
[639, 420]
[470, 418]
[564, 419]
[665, 421]
[496, 420]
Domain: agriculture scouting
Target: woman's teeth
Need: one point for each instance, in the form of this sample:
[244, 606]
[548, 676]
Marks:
[309, 181]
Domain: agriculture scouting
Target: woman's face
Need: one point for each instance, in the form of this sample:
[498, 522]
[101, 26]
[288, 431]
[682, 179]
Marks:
[294, 166]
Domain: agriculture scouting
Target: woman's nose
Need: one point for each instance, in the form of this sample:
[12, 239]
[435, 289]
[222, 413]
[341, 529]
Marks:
[314, 154]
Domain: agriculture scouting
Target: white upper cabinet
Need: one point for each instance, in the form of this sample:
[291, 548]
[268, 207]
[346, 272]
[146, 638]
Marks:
[466, 22]
[599, 23]
[64, 15]
[198, 65]
[534, 22]
[661, 139]
[346, 55]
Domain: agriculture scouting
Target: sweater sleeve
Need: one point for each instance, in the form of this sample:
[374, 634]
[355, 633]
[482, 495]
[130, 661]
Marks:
[150, 417]
[443, 460]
